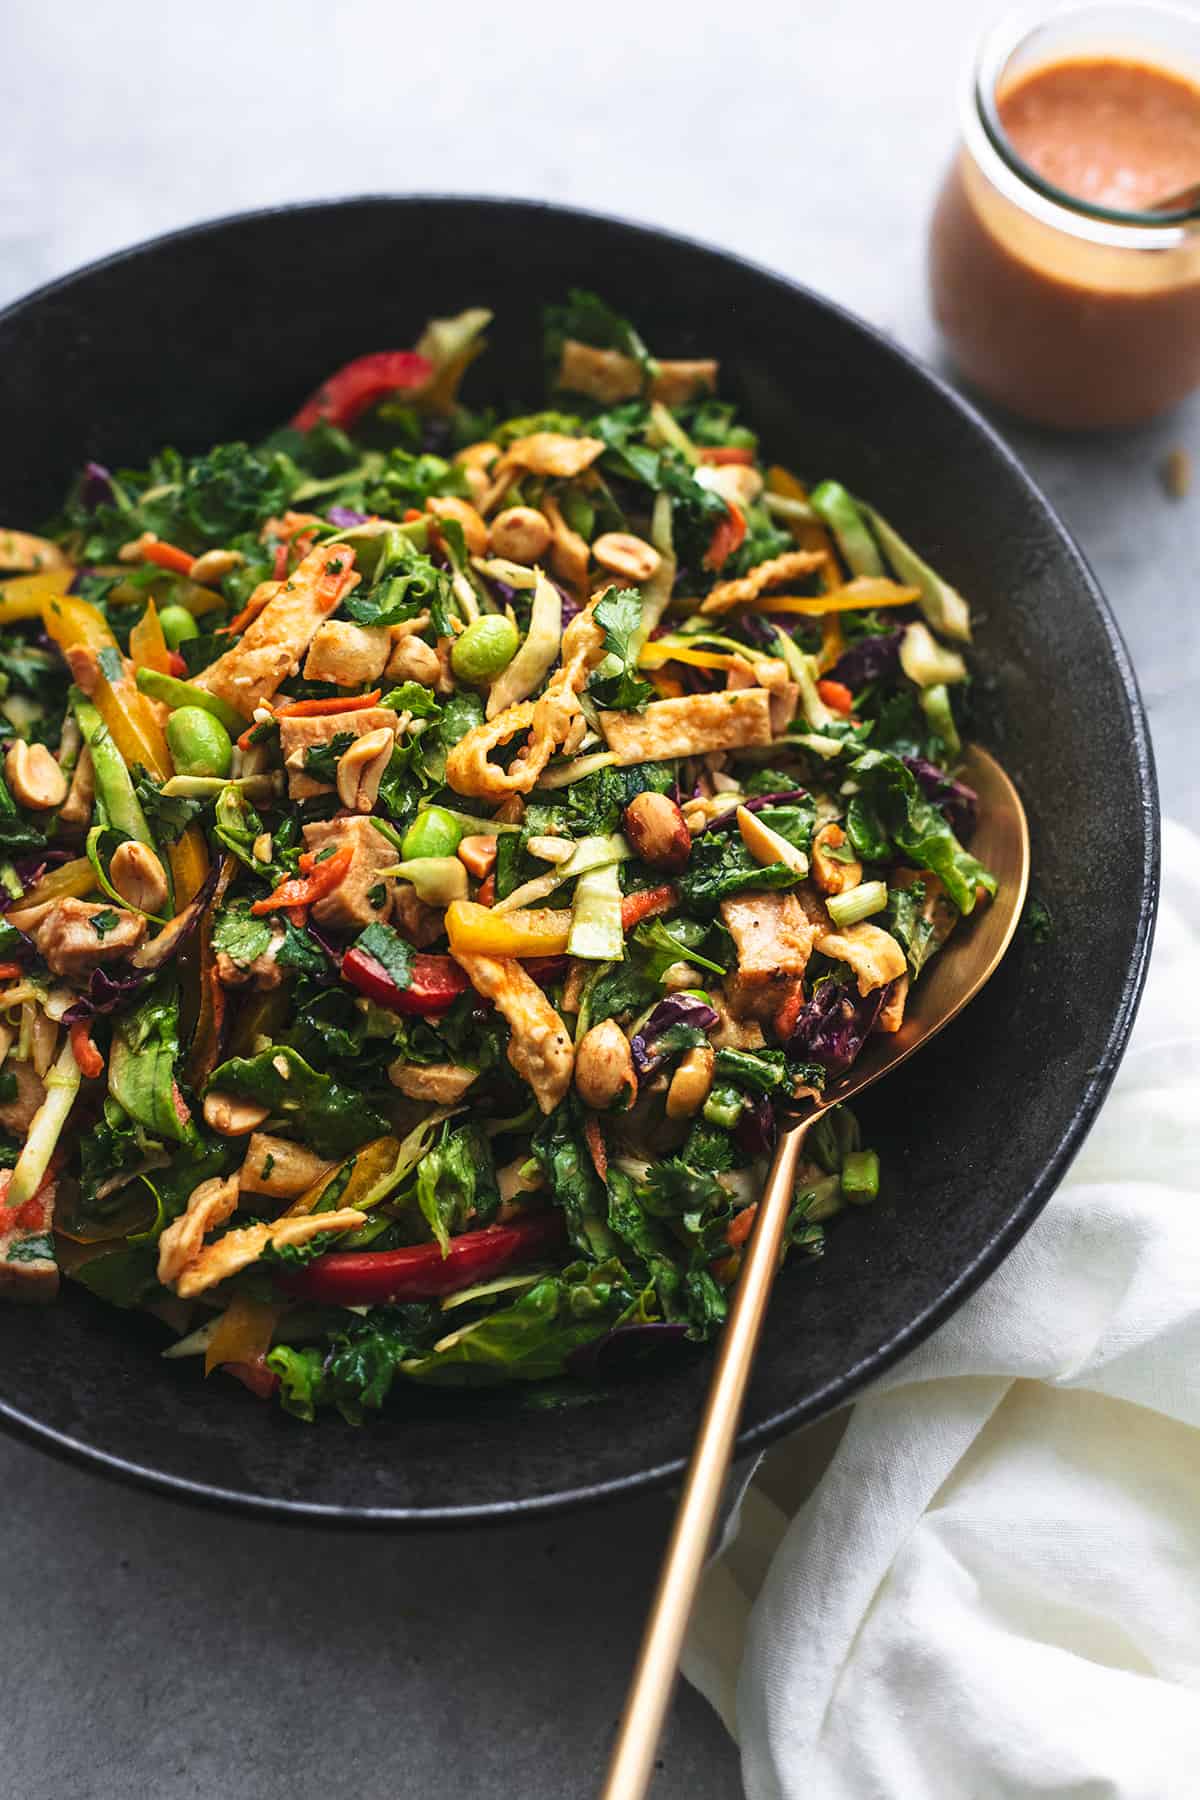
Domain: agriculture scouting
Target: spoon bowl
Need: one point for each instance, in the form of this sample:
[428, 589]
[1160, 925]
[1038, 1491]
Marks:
[970, 956]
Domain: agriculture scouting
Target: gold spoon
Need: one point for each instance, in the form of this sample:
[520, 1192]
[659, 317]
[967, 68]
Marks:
[956, 975]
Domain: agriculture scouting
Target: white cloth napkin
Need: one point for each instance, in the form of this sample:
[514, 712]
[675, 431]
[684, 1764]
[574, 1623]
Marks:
[993, 1588]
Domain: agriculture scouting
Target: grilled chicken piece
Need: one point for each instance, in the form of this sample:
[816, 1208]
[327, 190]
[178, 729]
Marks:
[350, 902]
[541, 1050]
[774, 940]
[73, 943]
[298, 736]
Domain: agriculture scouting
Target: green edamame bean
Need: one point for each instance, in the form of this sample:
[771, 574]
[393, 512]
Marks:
[177, 624]
[484, 648]
[199, 744]
[435, 832]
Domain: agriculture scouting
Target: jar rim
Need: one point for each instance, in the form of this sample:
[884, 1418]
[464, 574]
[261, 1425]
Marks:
[1159, 229]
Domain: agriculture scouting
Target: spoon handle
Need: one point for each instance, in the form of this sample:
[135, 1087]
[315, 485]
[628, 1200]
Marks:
[632, 1764]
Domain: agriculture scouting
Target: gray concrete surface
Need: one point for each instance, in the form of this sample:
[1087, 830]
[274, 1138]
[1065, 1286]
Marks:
[153, 1650]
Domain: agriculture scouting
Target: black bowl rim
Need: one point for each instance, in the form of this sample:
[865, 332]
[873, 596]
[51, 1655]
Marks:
[850, 1381]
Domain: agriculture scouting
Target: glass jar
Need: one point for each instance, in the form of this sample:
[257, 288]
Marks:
[1070, 313]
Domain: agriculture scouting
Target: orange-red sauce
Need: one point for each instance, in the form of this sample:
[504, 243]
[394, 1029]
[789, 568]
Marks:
[1068, 332]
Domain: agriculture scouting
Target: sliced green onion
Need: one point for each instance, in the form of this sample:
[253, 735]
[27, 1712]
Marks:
[835, 508]
[437, 879]
[935, 704]
[942, 605]
[927, 662]
[860, 1177]
[724, 1106]
[596, 933]
[589, 853]
[566, 773]
[62, 1085]
[857, 903]
[484, 1290]
[666, 428]
[206, 787]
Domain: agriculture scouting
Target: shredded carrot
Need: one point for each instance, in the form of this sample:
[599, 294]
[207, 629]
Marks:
[836, 695]
[90, 1061]
[596, 1145]
[314, 881]
[168, 556]
[257, 602]
[789, 1012]
[279, 567]
[412, 514]
[740, 1226]
[313, 709]
[9, 971]
[727, 537]
[646, 904]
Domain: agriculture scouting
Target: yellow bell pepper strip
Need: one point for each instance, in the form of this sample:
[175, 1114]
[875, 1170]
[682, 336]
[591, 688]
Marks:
[147, 645]
[477, 930]
[857, 595]
[24, 597]
[370, 1179]
[77, 627]
[832, 642]
[243, 1333]
[70, 881]
[188, 858]
[668, 650]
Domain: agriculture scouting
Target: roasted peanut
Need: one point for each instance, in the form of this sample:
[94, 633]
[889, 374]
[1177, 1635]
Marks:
[232, 1117]
[604, 1074]
[33, 775]
[211, 569]
[474, 530]
[360, 769]
[521, 533]
[139, 878]
[346, 653]
[477, 854]
[632, 558]
[658, 831]
[830, 874]
[691, 1082]
[412, 659]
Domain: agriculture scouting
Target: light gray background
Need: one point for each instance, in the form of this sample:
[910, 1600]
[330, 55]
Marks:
[150, 1649]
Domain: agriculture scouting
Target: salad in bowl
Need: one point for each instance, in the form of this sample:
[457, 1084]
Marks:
[433, 848]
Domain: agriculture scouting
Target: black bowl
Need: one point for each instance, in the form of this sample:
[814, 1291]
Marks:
[219, 332]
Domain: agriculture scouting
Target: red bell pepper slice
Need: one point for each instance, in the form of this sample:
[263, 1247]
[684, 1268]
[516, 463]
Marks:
[727, 537]
[421, 1272]
[724, 454]
[350, 390]
[836, 695]
[647, 904]
[436, 983]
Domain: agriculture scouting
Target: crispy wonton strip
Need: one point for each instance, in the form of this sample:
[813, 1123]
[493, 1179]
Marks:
[540, 1049]
[689, 726]
[554, 722]
[237, 1249]
[277, 639]
[727, 594]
